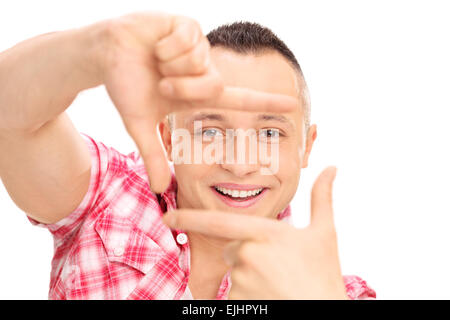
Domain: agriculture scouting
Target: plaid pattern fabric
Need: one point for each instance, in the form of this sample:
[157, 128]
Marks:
[115, 245]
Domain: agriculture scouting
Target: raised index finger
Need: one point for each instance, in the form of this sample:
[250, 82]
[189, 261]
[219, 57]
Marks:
[207, 91]
[223, 224]
[321, 198]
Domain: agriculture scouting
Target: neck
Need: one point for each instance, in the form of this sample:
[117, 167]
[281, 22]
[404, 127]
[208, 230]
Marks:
[207, 253]
[207, 266]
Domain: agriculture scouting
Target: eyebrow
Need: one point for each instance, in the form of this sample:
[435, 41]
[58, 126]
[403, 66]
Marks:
[274, 117]
[205, 116]
[268, 117]
[218, 117]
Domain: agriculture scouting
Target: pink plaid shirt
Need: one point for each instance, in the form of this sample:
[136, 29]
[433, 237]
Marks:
[115, 245]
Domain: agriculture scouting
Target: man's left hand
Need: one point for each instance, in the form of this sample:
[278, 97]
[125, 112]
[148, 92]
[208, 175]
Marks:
[271, 259]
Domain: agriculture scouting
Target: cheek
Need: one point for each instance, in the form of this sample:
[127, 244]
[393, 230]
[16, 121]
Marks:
[290, 158]
[185, 177]
[290, 166]
[191, 176]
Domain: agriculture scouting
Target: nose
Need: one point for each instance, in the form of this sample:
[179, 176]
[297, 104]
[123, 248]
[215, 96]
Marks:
[241, 156]
[241, 169]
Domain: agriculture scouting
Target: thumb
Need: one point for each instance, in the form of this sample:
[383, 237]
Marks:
[145, 136]
[321, 198]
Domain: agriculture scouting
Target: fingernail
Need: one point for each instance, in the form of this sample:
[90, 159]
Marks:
[227, 260]
[166, 88]
[207, 60]
[334, 172]
[169, 219]
[195, 37]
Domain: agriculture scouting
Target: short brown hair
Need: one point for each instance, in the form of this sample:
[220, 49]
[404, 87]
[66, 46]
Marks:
[248, 37]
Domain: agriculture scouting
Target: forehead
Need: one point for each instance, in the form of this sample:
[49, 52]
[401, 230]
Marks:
[268, 71]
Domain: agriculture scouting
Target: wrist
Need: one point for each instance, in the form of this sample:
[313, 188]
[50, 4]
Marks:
[94, 50]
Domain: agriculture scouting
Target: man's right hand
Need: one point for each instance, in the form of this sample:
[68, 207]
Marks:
[143, 48]
[156, 64]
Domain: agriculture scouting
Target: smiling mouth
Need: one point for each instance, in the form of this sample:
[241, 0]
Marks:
[238, 197]
[239, 194]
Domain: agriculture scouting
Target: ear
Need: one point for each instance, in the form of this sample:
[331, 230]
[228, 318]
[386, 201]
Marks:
[311, 136]
[166, 137]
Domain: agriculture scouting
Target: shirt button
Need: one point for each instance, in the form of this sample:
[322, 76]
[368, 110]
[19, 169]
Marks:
[182, 238]
[118, 251]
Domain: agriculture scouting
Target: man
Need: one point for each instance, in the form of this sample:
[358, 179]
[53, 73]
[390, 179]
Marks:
[107, 211]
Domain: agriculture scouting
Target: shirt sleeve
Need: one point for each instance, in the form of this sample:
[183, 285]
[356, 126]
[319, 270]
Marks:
[357, 289]
[106, 163]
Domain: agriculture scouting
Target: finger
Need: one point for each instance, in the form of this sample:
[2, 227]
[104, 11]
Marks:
[202, 88]
[321, 198]
[185, 34]
[144, 134]
[192, 88]
[224, 224]
[193, 62]
[253, 100]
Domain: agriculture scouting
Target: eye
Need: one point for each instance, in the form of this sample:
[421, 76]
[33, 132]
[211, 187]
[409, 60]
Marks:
[211, 133]
[269, 133]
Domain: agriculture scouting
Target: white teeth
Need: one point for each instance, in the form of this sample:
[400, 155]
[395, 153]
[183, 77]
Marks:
[239, 193]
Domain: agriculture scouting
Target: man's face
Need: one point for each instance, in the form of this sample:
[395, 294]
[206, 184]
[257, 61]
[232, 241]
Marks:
[242, 186]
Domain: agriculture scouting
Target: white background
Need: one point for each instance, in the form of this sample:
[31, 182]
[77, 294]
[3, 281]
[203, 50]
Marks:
[378, 73]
